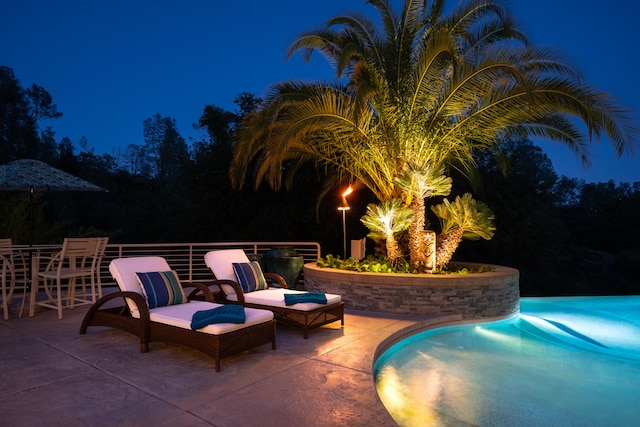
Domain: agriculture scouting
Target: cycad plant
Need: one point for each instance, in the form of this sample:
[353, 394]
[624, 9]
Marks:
[417, 183]
[385, 221]
[417, 93]
[465, 217]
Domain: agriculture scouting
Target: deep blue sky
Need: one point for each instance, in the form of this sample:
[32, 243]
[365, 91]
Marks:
[110, 65]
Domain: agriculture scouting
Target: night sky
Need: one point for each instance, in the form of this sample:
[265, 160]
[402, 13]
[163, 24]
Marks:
[111, 65]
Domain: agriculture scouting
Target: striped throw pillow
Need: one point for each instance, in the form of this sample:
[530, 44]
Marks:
[249, 276]
[161, 288]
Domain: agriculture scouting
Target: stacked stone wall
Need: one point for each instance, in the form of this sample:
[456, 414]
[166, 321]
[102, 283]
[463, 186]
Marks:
[472, 296]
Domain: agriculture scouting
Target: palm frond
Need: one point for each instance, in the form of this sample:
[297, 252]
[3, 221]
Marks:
[422, 91]
[474, 217]
[387, 219]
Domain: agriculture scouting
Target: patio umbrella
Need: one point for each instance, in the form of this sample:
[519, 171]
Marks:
[27, 174]
[34, 175]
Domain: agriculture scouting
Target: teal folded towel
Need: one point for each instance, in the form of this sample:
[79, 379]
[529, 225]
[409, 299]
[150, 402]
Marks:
[224, 314]
[317, 297]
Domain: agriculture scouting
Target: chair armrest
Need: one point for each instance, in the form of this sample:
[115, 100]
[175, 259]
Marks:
[145, 318]
[52, 261]
[137, 299]
[236, 287]
[278, 278]
[200, 287]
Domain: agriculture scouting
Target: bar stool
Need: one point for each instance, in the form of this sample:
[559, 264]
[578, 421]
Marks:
[74, 261]
[14, 277]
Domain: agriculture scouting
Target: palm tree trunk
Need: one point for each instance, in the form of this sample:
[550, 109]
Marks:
[415, 233]
[447, 245]
[393, 251]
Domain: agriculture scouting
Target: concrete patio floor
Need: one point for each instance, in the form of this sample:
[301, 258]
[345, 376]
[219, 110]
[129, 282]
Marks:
[50, 375]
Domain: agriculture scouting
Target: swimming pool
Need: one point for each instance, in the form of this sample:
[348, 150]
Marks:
[562, 362]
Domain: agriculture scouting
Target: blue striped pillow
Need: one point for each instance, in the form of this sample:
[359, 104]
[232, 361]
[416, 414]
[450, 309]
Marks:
[249, 276]
[161, 288]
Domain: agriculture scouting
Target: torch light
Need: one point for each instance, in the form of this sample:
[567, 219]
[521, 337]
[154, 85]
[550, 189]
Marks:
[344, 207]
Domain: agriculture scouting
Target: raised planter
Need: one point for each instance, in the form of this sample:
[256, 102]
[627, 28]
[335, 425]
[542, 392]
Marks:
[489, 295]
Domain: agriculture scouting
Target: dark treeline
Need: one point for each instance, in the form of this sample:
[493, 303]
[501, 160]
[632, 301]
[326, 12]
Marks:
[566, 237]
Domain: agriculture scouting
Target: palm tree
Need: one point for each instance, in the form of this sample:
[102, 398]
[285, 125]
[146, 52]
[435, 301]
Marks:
[465, 217]
[419, 182]
[422, 91]
[385, 221]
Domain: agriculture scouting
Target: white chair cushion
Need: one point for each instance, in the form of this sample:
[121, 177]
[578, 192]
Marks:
[275, 297]
[124, 272]
[180, 316]
[221, 264]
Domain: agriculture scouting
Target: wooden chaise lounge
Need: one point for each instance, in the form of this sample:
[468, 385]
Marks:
[305, 315]
[173, 322]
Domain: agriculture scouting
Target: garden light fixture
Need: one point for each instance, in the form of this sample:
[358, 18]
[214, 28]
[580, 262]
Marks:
[344, 207]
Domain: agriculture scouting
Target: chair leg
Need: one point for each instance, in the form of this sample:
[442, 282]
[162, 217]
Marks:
[93, 290]
[84, 296]
[59, 297]
[7, 292]
[35, 284]
[99, 285]
[5, 302]
[48, 288]
[71, 292]
[24, 298]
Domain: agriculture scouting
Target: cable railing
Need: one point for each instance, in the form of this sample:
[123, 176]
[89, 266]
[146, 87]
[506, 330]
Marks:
[187, 259]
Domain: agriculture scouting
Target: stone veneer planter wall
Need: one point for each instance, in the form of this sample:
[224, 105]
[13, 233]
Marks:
[473, 296]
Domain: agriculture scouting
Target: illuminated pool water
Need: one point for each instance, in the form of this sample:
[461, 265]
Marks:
[562, 362]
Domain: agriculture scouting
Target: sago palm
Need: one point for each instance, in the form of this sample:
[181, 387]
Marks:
[424, 88]
[464, 217]
[419, 182]
[385, 221]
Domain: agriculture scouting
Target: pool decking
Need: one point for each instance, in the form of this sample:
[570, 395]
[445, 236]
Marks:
[51, 375]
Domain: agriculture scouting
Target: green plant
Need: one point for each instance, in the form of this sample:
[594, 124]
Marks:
[370, 264]
[465, 217]
[419, 93]
[373, 264]
[385, 221]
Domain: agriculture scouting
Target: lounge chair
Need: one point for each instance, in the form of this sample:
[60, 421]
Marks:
[306, 315]
[171, 312]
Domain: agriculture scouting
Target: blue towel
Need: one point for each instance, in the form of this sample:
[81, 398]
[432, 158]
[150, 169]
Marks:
[224, 314]
[317, 297]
